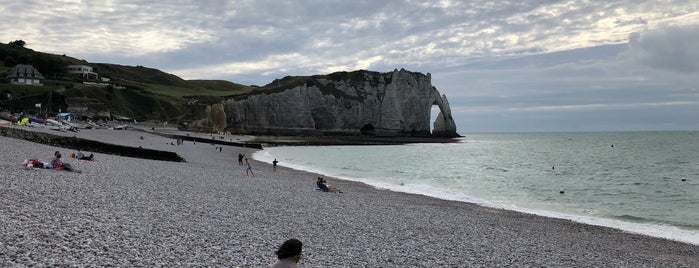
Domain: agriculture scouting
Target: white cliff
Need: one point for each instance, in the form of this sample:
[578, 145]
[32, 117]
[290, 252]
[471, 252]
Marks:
[395, 103]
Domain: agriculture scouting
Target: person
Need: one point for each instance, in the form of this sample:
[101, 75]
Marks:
[325, 187]
[274, 164]
[240, 159]
[249, 168]
[81, 156]
[322, 186]
[288, 254]
[35, 163]
[57, 164]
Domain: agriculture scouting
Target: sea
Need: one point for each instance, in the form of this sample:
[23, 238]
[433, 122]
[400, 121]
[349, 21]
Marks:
[639, 182]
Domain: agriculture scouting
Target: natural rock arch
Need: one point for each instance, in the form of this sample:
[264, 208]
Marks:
[387, 104]
[444, 125]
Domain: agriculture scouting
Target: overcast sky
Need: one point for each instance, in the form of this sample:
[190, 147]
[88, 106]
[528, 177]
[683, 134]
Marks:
[525, 65]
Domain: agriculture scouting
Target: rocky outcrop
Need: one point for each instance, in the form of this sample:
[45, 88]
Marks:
[395, 103]
[444, 125]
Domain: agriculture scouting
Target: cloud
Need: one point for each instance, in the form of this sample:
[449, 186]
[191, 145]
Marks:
[340, 33]
[104, 27]
[672, 49]
[529, 60]
[607, 87]
[601, 106]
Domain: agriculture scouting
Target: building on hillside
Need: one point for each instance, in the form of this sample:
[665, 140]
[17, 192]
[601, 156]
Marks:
[24, 74]
[82, 70]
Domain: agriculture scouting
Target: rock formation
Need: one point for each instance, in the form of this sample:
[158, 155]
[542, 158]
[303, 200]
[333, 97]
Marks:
[395, 103]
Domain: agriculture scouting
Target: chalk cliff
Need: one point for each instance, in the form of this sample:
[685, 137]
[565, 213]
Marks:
[395, 103]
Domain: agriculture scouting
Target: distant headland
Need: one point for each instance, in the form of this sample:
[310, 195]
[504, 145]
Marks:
[362, 105]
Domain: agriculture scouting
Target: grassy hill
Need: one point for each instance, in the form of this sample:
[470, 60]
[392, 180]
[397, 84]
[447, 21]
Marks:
[220, 85]
[137, 92]
[134, 91]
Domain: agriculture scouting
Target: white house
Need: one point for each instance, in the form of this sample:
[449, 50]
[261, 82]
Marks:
[82, 70]
[24, 74]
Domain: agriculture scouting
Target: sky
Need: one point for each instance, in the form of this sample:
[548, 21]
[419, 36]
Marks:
[505, 66]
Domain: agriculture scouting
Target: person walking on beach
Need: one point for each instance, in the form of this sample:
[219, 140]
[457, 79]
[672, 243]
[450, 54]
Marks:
[249, 168]
[288, 254]
[274, 164]
[240, 159]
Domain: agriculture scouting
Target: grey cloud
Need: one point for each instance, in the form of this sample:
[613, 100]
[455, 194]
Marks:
[637, 20]
[584, 89]
[672, 49]
[530, 57]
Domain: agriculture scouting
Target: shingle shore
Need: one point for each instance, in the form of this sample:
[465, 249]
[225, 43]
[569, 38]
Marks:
[123, 211]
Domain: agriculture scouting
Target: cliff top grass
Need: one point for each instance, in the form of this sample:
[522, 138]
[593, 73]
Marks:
[354, 79]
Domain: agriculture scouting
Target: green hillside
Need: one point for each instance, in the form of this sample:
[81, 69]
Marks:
[220, 85]
[136, 92]
[133, 91]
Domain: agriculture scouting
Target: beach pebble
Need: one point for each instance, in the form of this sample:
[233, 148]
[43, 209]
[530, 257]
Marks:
[128, 212]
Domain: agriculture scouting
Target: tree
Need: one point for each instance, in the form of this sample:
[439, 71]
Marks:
[17, 44]
[9, 61]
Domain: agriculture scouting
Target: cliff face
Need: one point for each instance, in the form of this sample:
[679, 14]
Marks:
[396, 103]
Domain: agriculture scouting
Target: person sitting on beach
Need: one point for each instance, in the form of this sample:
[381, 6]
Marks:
[57, 164]
[288, 254]
[322, 186]
[331, 188]
[325, 187]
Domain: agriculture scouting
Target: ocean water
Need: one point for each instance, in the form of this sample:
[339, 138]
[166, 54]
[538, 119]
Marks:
[627, 180]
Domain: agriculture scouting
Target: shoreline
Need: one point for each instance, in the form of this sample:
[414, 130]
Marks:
[647, 229]
[347, 140]
[124, 211]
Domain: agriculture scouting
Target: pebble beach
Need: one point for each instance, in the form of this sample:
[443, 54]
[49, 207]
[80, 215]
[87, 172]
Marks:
[125, 212]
